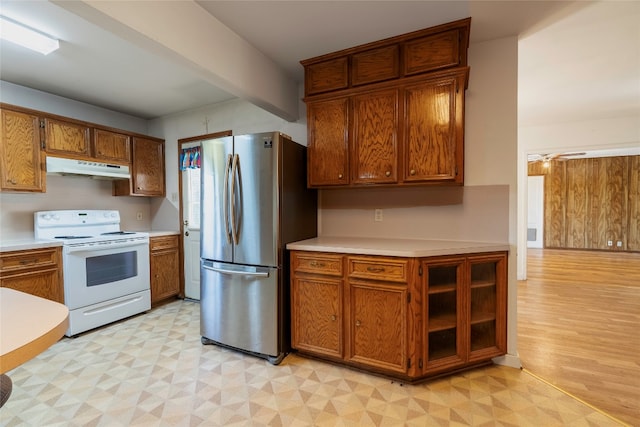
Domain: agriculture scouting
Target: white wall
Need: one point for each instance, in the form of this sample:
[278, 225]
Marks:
[16, 209]
[239, 116]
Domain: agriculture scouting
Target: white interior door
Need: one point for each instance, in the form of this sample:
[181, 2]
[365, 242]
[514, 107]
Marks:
[191, 221]
[535, 212]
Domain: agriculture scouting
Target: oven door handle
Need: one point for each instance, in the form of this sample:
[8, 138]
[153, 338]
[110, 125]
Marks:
[97, 247]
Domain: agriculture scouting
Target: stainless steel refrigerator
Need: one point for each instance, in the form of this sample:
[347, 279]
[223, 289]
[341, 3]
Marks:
[254, 200]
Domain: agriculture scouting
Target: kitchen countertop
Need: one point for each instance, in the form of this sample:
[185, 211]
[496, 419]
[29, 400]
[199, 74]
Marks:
[395, 247]
[28, 244]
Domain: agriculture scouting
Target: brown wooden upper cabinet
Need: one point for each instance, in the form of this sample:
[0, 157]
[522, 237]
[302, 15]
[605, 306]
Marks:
[67, 138]
[20, 155]
[147, 170]
[111, 146]
[389, 112]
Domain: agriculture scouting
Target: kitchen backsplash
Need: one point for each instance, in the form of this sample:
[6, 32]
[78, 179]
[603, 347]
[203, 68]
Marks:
[68, 192]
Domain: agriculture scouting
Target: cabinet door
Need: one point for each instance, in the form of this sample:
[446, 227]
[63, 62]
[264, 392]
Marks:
[377, 325]
[487, 306]
[111, 146]
[165, 274]
[434, 140]
[20, 155]
[444, 335]
[66, 138]
[148, 167]
[41, 283]
[328, 130]
[317, 315]
[375, 137]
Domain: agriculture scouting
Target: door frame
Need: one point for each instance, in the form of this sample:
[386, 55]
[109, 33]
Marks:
[180, 145]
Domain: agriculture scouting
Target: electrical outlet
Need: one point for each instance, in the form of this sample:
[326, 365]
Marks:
[619, 243]
[377, 216]
[609, 242]
[139, 216]
[174, 197]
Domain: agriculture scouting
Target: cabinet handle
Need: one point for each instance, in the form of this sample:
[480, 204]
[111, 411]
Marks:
[412, 172]
[358, 323]
[333, 317]
[316, 264]
[12, 181]
[339, 176]
[138, 188]
[388, 173]
[375, 269]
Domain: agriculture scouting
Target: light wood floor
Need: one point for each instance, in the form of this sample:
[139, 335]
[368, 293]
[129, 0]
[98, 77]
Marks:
[579, 326]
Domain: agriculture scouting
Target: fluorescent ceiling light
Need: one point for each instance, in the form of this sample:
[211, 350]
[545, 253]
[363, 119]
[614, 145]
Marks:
[17, 33]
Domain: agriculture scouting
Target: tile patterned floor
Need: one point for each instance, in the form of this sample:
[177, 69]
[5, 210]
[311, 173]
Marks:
[152, 370]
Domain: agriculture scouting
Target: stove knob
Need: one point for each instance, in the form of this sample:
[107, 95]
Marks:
[113, 215]
[56, 217]
[106, 214]
[46, 217]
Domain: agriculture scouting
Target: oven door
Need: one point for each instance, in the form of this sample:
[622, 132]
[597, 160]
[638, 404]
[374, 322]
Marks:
[100, 272]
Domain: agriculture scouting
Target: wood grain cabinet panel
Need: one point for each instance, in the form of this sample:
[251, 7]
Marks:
[326, 76]
[409, 318]
[317, 314]
[147, 170]
[395, 106]
[20, 156]
[36, 272]
[327, 154]
[433, 52]
[67, 138]
[375, 137]
[111, 146]
[433, 130]
[375, 65]
[164, 257]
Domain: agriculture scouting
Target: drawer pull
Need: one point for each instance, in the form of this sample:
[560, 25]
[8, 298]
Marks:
[388, 173]
[339, 176]
[317, 264]
[375, 269]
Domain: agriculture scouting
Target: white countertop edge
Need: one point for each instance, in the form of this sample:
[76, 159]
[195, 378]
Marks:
[22, 245]
[395, 247]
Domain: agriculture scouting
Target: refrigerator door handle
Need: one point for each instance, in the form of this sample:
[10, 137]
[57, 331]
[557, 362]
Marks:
[226, 199]
[235, 171]
[237, 273]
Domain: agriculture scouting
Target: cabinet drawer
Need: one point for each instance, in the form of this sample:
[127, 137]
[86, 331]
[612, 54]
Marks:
[326, 76]
[387, 269]
[26, 260]
[432, 53]
[375, 65]
[164, 242]
[317, 263]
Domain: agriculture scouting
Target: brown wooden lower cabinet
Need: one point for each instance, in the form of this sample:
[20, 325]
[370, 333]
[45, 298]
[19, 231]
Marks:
[164, 255]
[34, 271]
[409, 318]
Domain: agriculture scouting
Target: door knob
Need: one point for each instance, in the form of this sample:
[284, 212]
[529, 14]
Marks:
[186, 233]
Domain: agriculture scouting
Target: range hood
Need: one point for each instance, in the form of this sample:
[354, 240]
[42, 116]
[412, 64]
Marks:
[97, 170]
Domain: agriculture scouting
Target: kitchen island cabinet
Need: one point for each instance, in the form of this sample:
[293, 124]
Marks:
[20, 155]
[399, 312]
[34, 271]
[164, 258]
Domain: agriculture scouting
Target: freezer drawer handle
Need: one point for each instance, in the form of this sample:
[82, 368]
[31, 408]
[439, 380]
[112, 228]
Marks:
[239, 273]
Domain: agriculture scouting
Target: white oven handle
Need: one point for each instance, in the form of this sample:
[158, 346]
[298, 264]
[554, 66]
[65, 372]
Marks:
[106, 247]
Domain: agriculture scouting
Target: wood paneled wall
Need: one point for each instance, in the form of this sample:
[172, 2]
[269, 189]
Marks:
[589, 202]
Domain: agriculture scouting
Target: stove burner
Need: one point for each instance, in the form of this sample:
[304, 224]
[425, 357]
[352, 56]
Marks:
[117, 233]
[72, 237]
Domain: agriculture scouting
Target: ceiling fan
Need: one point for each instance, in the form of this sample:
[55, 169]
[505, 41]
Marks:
[546, 158]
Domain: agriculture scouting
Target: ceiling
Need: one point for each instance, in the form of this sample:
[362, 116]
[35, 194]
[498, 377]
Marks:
[563, 73]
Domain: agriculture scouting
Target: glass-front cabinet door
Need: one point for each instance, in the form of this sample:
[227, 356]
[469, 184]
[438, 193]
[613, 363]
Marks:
[486, 306]
[443, 310]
